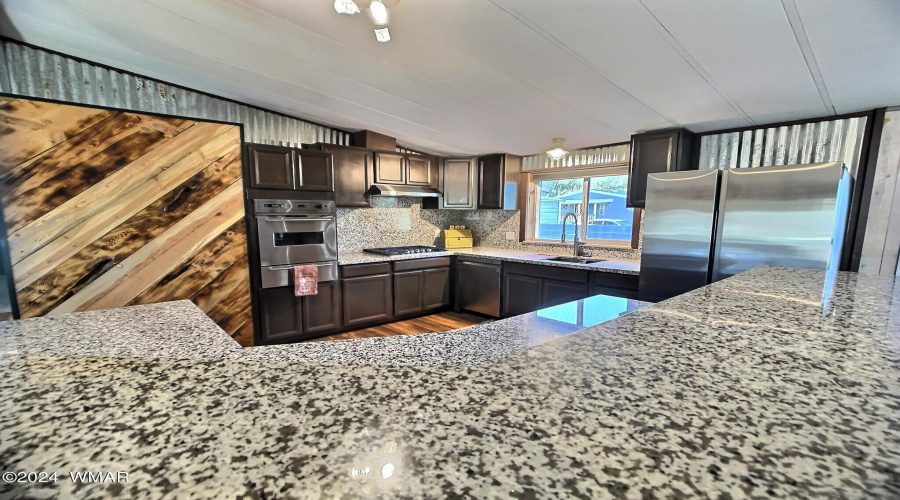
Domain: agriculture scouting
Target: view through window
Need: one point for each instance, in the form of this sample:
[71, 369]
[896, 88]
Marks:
[598, 203]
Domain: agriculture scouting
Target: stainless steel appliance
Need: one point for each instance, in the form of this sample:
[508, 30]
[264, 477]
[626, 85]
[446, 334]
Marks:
[704, 226]
[404, 250]
[293, 232]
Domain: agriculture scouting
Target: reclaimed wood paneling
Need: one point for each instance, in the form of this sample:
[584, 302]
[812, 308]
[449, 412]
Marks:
[111, 208]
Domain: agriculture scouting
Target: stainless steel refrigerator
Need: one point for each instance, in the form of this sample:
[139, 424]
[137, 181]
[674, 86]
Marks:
[706, 225]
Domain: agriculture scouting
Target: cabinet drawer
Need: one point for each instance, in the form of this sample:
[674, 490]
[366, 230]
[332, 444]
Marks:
[413, 264]
[556, 273]
[365, 269]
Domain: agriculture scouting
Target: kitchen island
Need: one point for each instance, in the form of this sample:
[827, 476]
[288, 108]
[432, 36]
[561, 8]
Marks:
[778, 381]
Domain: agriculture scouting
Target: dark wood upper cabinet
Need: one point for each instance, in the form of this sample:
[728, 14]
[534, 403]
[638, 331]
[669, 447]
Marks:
[314, 171]
[285, 168]
[458, 182]
[352, 175]
[490, 181]
[271, 167]
[667, 150]
[418, 171]
[390, 168]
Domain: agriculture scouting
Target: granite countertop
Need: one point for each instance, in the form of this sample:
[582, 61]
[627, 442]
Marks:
[618, 266]
[180, 330]
[776, 382]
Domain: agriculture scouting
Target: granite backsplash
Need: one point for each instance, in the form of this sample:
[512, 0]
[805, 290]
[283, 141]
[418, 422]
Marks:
[403, 221]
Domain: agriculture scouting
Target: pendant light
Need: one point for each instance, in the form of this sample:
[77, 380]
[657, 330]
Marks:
[557, 152]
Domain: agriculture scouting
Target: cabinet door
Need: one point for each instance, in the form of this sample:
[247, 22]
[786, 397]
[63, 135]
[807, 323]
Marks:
[478, 287]
[418, 171]
[436, 288]
[314, 171]
[650, 153]
[322, 312]
[458, 183]
[490, 181]
[271, 167]
[555, 292]
[367, 299]
[408, 292]
[280, 314]
[352, 176]
[390, 168]
[521, 294]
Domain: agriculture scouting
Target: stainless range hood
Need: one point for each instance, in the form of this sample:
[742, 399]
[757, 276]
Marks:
[402, 190]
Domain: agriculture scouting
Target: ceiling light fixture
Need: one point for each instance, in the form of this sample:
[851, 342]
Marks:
[347, 7]
[382, 35]
[557, 152]
[378, 13]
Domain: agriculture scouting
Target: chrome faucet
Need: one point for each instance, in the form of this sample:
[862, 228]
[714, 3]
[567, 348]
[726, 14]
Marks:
[576, 243]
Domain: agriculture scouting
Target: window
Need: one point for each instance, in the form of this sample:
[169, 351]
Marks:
[595, 196]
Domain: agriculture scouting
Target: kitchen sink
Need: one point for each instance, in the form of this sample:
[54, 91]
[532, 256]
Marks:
[576, 260]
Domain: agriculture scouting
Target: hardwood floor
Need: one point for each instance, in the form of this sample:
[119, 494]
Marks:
[441, 322]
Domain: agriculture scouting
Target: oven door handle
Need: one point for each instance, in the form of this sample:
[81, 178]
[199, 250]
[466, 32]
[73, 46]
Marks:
[279, 268]
[292, 219]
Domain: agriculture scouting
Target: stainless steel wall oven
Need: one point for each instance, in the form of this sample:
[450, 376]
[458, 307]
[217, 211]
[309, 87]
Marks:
[294, 232]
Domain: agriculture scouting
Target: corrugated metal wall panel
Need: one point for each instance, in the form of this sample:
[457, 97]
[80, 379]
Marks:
[594, 156]
[827, 140]
[37, 73]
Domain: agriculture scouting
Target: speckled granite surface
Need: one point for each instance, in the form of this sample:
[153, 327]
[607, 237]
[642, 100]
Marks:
[776, 382]
[349, 258]
[619, 266]
[176, 329]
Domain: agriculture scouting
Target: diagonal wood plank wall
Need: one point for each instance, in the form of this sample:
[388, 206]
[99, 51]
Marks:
[109, 208]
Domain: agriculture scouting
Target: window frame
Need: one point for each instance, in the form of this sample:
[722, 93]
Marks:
[585, 174]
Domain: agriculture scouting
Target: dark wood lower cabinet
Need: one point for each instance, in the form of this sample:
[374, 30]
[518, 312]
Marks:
[287, 318]
[408, 290]
[435, 288]
[368, 299]
[421, 290]
[322, 312]
[281, 315]
[369, 294]
[554, 292]
[528, 287]
[521, 294]
[617, 285]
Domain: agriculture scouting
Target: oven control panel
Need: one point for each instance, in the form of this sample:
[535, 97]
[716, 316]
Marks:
[312, 207]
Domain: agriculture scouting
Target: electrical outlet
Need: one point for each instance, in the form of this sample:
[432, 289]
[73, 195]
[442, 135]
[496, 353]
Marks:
[511, 235]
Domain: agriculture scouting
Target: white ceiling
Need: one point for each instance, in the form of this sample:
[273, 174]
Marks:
[479, 76]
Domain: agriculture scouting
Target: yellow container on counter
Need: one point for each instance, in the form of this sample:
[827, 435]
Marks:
[456, 238]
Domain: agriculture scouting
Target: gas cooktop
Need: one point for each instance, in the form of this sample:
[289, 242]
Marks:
[404, 250]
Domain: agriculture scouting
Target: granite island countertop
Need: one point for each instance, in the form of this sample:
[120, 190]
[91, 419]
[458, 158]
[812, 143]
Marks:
[618, 266]
[776, 382]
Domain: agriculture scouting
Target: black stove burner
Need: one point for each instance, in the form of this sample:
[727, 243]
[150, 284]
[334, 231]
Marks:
[404, 250]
